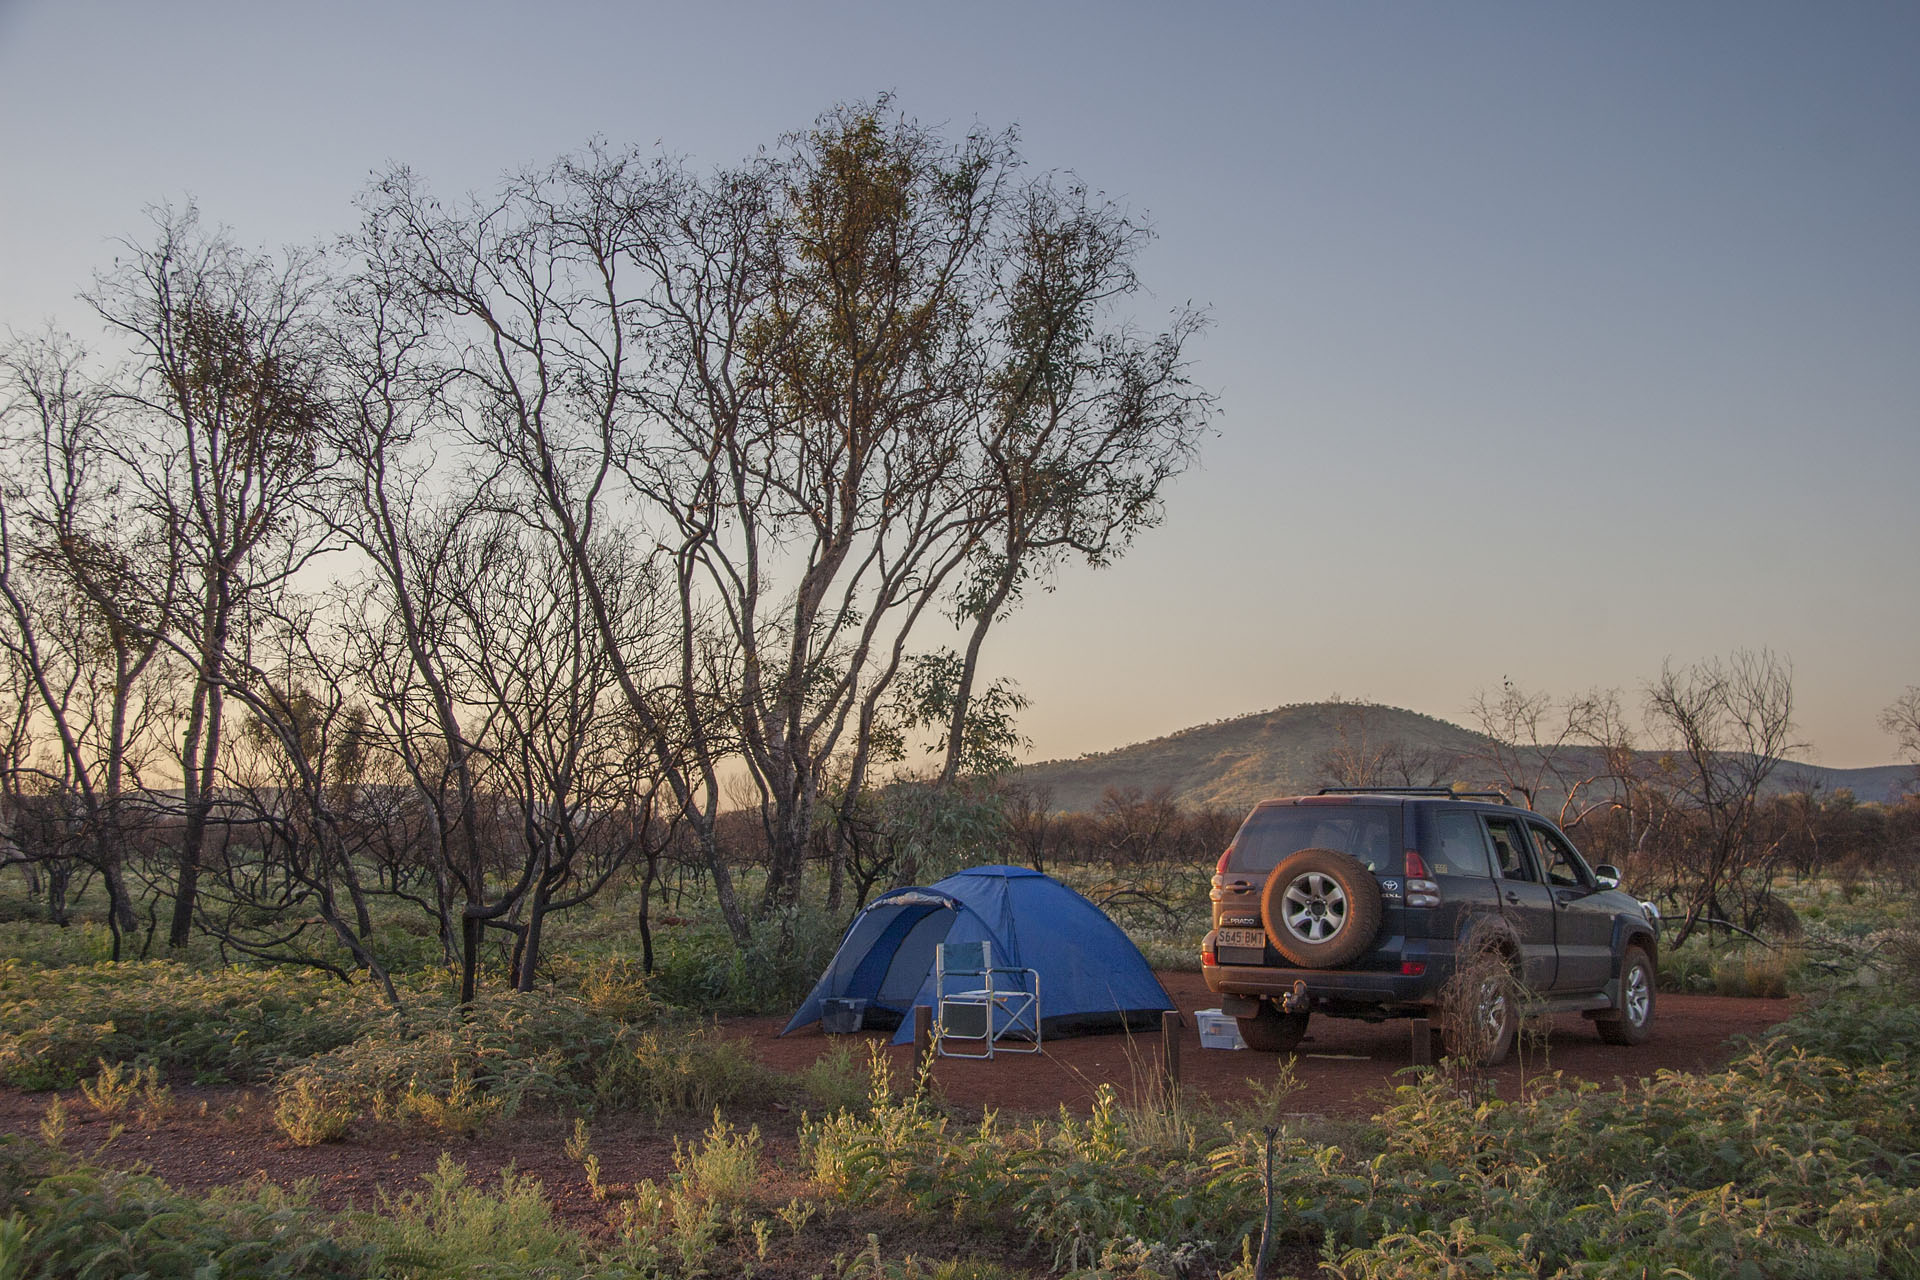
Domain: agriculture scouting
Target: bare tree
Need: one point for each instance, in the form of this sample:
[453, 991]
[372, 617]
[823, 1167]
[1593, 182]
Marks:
[564, 758]
[227, 416]
[813, 466]
[1082, 426]
[1724, 725]
[80, 577]
[803, 387]
[481, 638]
[1576, 754]
[1361, 757]
[1902, 719]
[501, 328]
[288, 865]
[1031, 824]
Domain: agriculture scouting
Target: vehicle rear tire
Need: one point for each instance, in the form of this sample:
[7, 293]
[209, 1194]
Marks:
[1493, 1017]
[1321, 908]
[1635, 1021]
[1271, 1031]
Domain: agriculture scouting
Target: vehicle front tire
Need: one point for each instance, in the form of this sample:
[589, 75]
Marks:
[1635, 1021]
[1271, 1031]
[1321, 908]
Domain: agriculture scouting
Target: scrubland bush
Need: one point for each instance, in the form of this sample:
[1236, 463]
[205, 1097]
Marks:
[701, 967]
[450, 1227]
[1768, 972]
[82, 942]
[835, 1082]
[687, 1070]
[454, 1070]
[81, 1221]
[1795, 1160]
[230, 1024]
[308, 1113]
[613, 986]
[703, 1202]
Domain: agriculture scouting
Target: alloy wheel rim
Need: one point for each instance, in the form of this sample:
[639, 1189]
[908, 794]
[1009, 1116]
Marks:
[1314, 907]
[1639, 995]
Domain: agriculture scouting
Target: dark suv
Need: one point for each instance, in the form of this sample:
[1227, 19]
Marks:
[1364, 903]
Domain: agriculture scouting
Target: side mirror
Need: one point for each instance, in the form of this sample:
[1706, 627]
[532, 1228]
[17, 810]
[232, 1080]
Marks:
[1608, 876]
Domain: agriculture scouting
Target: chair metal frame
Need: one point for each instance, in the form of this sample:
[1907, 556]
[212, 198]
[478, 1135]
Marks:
[965, 978]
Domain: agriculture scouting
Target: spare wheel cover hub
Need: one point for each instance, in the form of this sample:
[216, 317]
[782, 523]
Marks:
[1314, 907]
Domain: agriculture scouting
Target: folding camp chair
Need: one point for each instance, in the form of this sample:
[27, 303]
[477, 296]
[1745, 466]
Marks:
[977, 1001]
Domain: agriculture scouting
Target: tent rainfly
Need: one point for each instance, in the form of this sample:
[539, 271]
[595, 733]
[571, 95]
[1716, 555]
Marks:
[1091, 974]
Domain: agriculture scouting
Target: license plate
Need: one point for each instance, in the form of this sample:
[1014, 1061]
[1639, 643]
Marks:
[1252, 939]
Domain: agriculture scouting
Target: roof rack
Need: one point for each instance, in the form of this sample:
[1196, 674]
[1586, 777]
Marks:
[1493, 797]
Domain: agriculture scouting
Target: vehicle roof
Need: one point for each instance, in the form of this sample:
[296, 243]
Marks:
[1489, 801]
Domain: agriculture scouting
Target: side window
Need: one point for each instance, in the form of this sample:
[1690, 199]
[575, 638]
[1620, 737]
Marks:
[1458, 847]
[1510, 849]
[1563, 864]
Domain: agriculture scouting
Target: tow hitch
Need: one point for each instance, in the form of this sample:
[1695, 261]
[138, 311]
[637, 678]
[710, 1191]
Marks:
[1295, 1001]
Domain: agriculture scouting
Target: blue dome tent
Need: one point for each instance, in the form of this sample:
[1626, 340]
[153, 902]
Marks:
[1091, 974]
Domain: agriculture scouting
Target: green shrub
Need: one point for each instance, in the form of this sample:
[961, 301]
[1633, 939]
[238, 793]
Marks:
[1770, 972]
[408, 945]
[703, 1203]
[454, 1067]
[231, 1024]
[85, 1223]
[871, 1264]
[1798, 1159]
[836, 1083]
[452, 1228]
[54, 946]
[700, 968]
[680, 1071]
[307, 1114]
[1858, 1026]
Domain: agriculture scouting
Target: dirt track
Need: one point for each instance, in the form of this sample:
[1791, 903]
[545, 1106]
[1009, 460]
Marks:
[1344, 1067]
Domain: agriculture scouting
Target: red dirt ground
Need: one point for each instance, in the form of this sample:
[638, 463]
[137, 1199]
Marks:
[1344, 1067]
[226, 1135]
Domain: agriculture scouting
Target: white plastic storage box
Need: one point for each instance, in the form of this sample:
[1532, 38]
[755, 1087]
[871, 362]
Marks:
[1217, 1030]
[842, 1017]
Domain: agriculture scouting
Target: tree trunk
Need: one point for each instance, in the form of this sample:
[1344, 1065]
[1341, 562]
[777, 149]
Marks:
[470, 927]
[530, 937]
[963, 693]
[204, 731]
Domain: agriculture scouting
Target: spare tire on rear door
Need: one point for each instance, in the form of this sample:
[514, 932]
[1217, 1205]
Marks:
[1320, 907]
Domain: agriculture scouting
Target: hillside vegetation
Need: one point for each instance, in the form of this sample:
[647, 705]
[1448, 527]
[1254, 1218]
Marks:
[1234, 764]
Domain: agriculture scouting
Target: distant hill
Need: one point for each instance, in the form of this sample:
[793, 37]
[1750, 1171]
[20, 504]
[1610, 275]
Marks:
[1233, 764]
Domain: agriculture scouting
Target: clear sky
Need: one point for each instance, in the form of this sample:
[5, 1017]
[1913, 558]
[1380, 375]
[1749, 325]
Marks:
[1552, 341]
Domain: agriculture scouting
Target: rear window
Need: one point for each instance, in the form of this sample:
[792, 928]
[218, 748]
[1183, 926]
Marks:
[1368, 832]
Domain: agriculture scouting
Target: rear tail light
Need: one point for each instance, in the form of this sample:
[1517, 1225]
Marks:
[1220, 867]
[1208, 956]
[1412, 968]
[1421, 892]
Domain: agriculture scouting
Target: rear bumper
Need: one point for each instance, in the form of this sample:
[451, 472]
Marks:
[1338, 990]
